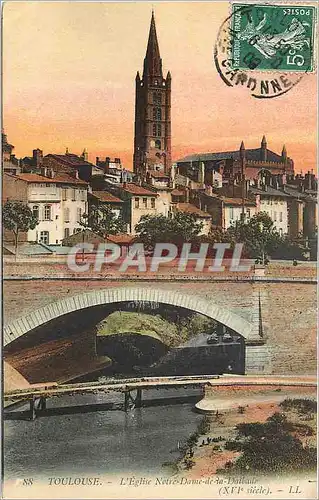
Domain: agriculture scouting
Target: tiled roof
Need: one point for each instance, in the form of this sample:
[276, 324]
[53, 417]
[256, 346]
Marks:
[57, 179]
[295, 193]
[251, 154]
[106, 197]
[120, 238]
[158, 175]
[188, 208]
[237, 201]
[177, 192]
[29, 248]
[137, 190]
[70, 159]
[269, 192]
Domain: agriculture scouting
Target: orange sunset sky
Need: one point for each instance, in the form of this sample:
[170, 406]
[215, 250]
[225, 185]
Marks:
[69, 80]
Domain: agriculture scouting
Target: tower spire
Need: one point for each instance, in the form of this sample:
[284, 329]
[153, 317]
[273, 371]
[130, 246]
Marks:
[152, 61]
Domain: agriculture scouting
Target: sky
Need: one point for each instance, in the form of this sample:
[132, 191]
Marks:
[69, 81]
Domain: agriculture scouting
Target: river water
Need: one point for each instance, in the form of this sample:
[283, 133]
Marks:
[99, 442]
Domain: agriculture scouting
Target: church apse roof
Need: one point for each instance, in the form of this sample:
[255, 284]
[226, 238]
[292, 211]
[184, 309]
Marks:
[251, 154]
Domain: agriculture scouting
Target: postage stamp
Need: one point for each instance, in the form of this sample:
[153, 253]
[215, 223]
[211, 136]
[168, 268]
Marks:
[268, 37]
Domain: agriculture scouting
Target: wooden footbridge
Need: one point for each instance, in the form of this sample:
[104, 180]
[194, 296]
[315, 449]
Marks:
[132, 388]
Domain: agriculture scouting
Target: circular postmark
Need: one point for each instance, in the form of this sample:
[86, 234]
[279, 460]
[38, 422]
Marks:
[265, 49]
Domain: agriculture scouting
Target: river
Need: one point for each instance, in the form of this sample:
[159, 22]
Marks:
[99, 442]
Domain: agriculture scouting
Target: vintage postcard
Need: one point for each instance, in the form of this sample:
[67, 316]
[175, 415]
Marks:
[159, 249]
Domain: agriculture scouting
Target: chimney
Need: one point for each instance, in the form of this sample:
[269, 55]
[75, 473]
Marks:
[117, 160]
[187, 195]
[209, 190]
[85, 155]
[50, 173]
[37, 157]
[43, 171]
[242, 150]
[263, 149]
[124, 177]
[97, 160]
[284, 153]
[308, 179]
[201, 173]
[76, 173]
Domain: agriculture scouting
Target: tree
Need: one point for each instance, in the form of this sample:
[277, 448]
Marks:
[259, 235]
[181, 228]
[18, 217]
[103, 221]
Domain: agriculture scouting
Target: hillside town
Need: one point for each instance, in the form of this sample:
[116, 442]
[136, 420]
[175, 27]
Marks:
[65, 192]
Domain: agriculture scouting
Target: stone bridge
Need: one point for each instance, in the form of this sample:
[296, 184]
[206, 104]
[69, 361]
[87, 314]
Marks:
[284, 311]
[95, 298]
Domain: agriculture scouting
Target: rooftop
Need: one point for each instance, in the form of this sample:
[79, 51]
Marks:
[158, 175]
[238, 201]
[251, 154]
[106, 197]
[57, 179]
[269, 191]
[188, 208]
[137, 190]
[120, 238]
[70, 159]
[177, 192]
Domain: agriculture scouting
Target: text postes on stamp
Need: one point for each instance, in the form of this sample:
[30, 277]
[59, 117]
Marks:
[272, 37]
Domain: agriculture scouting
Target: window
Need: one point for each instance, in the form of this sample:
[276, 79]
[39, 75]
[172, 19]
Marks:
[44, 237]
[66, 232]
[275, 216]
[66, 215]
[137, 203]
[231, 213]
[79, 215]
[248, 213]
[152, 202]
[73, 194]
[280, 216]
[83, 195]
[47, 212]
[64, 194]
[158, 145]
[157, 129]
[145, 202]
[157, 113]
[157, 98]
[35, 211]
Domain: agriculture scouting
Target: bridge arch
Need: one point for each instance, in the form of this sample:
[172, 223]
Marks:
[25, 324]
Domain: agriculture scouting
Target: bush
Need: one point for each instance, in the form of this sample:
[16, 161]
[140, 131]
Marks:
[270, 447]
[204, 426]
[300, 405]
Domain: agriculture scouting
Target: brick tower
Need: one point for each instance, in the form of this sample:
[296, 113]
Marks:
[152, 137]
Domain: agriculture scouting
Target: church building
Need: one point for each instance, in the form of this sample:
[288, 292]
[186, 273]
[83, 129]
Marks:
[152, 139]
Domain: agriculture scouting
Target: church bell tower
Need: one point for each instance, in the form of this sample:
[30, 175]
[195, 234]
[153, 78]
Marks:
[152, 138]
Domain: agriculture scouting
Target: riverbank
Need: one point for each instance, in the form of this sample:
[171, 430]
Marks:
[208, 452]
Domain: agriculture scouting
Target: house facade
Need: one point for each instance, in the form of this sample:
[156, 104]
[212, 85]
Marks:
[58, 202]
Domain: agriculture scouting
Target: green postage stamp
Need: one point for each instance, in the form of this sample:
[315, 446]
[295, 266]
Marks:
[272, 37]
